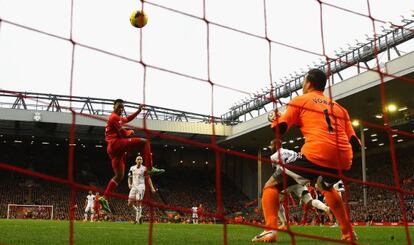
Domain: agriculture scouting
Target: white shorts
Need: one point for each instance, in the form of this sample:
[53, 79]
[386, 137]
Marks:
[89, 208]
[195, 216]
[136, 193]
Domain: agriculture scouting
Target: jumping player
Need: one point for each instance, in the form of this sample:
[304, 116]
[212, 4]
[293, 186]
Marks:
[120, 141]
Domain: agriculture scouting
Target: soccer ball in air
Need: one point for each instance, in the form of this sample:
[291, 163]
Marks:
[138, 19]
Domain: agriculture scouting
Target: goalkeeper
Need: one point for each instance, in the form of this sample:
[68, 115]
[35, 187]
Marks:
[328, 148]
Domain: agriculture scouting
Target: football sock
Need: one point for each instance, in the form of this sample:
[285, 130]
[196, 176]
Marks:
[337, 207]
[281, 214]
[110, 187]
[270, 203]
[305, 214]
[139, 213]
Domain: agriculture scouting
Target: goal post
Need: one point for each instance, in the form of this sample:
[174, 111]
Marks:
[22, 211]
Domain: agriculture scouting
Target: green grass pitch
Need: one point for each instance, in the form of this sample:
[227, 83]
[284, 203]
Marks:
[57, 232]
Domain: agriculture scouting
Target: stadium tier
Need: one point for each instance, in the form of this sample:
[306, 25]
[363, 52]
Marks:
[40, 135]
[185, 184]
[329, 146]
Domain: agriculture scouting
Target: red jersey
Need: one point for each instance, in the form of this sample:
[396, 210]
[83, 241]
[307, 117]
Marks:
[326, 127]
[114, 130]
[96, 204]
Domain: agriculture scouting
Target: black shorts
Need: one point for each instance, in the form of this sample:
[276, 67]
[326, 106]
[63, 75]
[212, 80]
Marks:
[305, 174]
[280, 178]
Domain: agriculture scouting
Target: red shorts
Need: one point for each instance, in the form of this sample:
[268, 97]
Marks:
[117, 149]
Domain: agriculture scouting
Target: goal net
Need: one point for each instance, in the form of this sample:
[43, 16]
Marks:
[19, 211]
[210, 56]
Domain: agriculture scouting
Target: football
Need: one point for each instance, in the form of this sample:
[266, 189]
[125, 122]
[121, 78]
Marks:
[271, 115]
[138, 19]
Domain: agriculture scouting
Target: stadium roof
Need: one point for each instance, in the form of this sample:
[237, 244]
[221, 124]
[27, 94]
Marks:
[359, 94]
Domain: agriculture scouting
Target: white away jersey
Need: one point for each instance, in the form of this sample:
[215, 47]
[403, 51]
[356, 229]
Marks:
[195, 209]
[90, 198]
[138, 177]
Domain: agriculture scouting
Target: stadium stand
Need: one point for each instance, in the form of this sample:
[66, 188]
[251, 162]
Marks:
[198, 187]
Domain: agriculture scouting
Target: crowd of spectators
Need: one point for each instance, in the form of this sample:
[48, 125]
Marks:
[185, 187]
[384, 204]
[16, 189]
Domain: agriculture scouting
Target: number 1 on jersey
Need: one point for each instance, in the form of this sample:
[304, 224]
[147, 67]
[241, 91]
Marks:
[328, 121]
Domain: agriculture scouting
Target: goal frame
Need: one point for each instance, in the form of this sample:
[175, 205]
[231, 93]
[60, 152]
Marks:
[29, 205]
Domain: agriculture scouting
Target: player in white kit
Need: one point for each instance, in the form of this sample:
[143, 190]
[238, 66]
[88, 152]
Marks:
[90, 199]
[301, 191]
[136, 183]
[195, 214]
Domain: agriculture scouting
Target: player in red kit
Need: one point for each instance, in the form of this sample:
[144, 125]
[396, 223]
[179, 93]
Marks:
[120, 141]
[96, 207]
[200, 211]
[308, 207]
